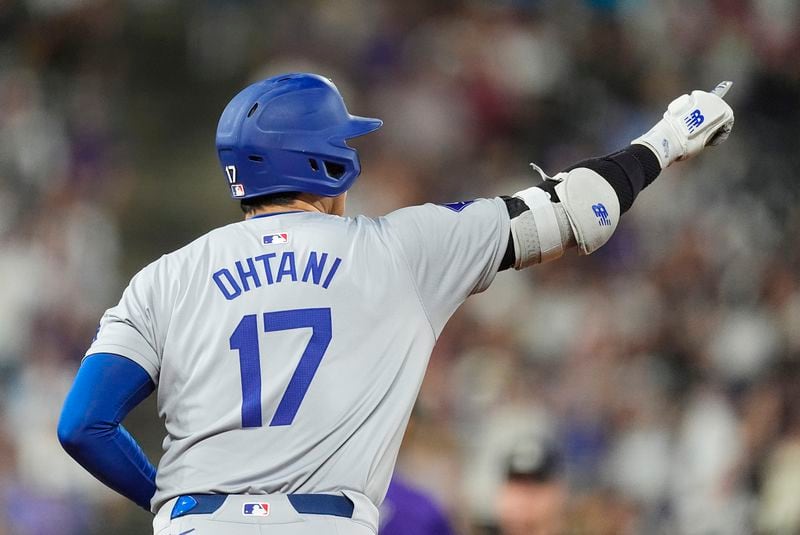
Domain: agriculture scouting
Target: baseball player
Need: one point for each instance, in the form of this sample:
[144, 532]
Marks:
[288, 349]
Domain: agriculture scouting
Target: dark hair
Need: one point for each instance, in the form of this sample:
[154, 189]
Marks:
[254, 203]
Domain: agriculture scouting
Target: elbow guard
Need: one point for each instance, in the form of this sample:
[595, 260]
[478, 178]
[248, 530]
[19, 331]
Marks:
[536, 232]
[591, 206]
[579, 204]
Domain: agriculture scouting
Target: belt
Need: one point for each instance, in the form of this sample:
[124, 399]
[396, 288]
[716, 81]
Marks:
[311, 504]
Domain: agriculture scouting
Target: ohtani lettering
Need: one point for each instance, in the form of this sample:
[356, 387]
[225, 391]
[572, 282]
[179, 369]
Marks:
[244, 275]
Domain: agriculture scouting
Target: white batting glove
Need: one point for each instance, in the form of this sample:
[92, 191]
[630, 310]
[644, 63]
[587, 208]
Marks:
[690, 123]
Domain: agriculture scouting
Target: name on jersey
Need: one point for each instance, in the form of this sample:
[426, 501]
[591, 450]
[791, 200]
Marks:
[275, 268]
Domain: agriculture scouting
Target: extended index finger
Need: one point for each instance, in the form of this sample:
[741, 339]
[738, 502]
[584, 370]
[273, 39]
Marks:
[722, 88]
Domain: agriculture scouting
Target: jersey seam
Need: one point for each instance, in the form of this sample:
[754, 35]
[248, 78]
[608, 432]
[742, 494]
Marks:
[272, 214]
[413, 282]
[172, 296]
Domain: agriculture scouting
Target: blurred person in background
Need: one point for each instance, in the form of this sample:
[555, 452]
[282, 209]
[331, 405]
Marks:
[533, 498]
[407, 509]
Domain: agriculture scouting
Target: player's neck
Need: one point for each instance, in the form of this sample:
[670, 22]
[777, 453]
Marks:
[304, 203]
[294, 206]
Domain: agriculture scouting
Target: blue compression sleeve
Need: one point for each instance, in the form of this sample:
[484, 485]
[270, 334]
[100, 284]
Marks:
[105, 390]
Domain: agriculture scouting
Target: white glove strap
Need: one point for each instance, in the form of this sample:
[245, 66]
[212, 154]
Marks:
[664, 141]
[592, 208]
[540, 222]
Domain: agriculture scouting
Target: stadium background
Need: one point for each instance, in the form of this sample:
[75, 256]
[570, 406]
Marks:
[664, 368]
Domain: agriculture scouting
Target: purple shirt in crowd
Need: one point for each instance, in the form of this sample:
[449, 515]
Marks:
[407, 511]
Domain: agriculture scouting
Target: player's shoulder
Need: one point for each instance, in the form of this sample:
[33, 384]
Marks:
[280, 226]
[431, 216]
[450, 209]
[286, 226]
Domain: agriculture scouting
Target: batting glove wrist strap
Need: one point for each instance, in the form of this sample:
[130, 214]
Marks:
[690, 123]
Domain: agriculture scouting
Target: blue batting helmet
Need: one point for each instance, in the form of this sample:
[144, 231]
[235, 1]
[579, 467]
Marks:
[288, 133]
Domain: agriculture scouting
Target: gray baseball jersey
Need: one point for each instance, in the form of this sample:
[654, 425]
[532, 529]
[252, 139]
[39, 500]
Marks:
[288, 349]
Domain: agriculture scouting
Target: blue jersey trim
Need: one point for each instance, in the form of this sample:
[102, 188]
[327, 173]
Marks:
[259, 216]
[457, 206]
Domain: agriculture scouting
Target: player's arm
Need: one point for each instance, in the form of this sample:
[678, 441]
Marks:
[581, 206]
[120, 369]
[105, 390]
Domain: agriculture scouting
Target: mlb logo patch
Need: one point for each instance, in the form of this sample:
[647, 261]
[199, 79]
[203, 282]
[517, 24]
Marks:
[279, 237]
[237, 190]
[255, 509]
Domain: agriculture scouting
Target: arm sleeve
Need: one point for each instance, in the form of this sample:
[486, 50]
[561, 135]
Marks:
[628, 172]
[135, 327]
[105, 390]
[452, 251]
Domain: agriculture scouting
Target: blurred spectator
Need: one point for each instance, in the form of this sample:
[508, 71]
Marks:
[533, 498]
[406, 509]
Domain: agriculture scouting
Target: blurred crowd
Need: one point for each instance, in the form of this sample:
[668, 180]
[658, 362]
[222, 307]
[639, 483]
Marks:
[663, 372]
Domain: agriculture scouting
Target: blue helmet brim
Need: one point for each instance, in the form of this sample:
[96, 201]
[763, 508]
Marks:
[359, 126]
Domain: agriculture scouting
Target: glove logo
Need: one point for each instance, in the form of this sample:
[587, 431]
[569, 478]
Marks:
[601, 213]
[693, 120]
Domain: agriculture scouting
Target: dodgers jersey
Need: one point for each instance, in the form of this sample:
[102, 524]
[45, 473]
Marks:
[288, 349]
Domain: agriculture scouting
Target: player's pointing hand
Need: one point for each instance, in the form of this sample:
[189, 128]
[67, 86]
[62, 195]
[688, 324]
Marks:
[690, 123]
